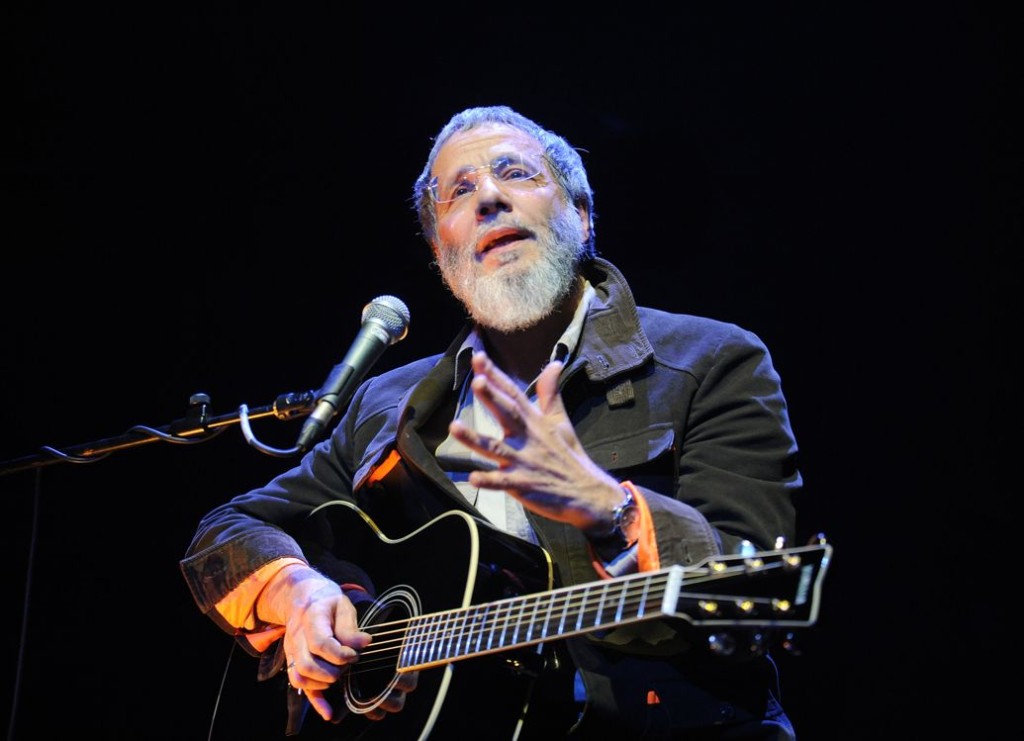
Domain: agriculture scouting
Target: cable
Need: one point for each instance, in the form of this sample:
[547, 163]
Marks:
[15, 697]
[220, 690]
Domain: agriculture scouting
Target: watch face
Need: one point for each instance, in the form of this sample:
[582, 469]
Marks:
[629, 516]
[629, 524]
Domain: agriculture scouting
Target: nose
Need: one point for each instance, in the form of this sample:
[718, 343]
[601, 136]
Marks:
[490, 198]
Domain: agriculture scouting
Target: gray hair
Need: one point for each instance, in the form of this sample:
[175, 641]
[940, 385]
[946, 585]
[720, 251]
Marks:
[563, 159]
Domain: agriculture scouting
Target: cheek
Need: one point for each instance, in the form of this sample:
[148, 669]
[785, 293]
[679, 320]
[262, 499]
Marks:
[452, 230]
[542, 205]
[453, 234]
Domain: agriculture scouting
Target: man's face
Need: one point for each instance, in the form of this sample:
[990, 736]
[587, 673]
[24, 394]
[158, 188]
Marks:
[508, 242]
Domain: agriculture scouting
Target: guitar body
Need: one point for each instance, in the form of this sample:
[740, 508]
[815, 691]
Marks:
[453, 562]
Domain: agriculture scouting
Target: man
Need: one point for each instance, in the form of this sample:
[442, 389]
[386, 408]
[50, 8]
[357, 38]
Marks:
[566, 431]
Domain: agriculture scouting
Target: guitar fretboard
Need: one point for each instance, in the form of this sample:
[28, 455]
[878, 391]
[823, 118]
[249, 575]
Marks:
[534, 618]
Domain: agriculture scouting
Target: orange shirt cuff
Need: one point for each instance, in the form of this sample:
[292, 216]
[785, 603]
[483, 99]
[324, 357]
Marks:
[238, 608]
[641, 532]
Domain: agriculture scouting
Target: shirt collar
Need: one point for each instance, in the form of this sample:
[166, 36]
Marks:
[562, 350]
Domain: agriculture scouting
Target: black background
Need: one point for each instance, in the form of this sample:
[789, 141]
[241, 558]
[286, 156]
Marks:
[202, 198]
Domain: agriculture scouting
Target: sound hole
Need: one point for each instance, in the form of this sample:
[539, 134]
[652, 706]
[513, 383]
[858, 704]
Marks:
[373, 677]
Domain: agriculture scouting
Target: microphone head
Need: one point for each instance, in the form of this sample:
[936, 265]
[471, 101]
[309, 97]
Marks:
[391, 313]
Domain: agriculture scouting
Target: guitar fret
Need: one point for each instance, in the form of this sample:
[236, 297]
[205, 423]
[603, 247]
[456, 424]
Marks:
[519, 620]
[448, 636]
[547, 619]
[623, 591]
[508, 633]
[494, 625]
[468, 626]
[504, 627]
[583, 602]
[600, 604]
[416, 642]
[420, 643]
[406, 643]
[565, 614]
[643, 598]
[432, 648]
[481, 623]
[458, 632]
[536, 600]
[533, 618]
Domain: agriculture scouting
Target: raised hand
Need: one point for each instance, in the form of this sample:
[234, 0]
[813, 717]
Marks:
[540, 460]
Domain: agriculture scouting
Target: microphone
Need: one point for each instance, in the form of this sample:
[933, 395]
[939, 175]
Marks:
[385, 322]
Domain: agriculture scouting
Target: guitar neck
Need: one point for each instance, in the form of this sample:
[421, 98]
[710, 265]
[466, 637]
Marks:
[701, 595]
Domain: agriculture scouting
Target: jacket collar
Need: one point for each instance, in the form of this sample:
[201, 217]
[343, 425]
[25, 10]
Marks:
[612, 342]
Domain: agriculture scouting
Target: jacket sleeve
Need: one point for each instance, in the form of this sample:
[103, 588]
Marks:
[738, 455]
[237, 539]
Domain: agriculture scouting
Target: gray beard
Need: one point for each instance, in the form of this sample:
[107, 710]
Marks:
[515, 299]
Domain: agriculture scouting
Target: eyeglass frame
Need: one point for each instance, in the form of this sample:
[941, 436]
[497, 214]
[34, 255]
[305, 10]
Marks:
[474, 172]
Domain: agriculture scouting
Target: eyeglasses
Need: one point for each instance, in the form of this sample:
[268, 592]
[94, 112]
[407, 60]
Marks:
[512, 170]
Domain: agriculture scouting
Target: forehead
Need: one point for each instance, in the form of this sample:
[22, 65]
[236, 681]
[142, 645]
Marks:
[481, 144]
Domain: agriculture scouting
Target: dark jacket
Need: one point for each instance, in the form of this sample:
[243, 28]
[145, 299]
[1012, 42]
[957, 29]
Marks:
[689, 409]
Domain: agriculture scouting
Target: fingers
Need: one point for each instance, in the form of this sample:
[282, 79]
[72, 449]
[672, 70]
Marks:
[312, 675]
[320, 704]
[314, 691]
[321, 640]
[507, 402]
[498, 450]
[524, 424]
[508, 410]
[549, 400]
[407, 681]
[484, 366]
[395, 701]
[499, 392]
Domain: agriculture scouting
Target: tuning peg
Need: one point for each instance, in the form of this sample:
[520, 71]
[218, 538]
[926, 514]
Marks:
[746, 548]
[726, 644]
[758, 644]
[789, 644]
[721, 644]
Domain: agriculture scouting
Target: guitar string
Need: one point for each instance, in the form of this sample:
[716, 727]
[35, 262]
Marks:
[450, 627]
[512, 612]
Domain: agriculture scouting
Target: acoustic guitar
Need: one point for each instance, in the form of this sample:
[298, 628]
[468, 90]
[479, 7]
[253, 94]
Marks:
[458, 589]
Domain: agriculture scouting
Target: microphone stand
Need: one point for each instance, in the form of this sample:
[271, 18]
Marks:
[197, 426]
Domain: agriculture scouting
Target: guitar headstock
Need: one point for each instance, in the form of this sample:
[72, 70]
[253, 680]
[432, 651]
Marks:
[776, 588]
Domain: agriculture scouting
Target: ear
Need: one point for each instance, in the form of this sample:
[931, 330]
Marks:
[585, 218]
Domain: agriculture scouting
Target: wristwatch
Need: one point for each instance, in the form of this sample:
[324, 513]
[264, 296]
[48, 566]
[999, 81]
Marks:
[625, 515]
[617, 539]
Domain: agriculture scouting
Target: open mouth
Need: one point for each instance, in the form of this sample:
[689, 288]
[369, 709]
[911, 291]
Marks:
[500, 238]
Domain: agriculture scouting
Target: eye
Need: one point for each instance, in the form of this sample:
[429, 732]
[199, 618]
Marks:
[516, 172]
[507, 169]
[461, 188]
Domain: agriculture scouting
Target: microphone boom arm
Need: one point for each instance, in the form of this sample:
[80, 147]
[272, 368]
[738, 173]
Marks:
[196, 427]
[385, 322]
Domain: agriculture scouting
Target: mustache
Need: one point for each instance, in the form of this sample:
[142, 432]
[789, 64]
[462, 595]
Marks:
[514, 224]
